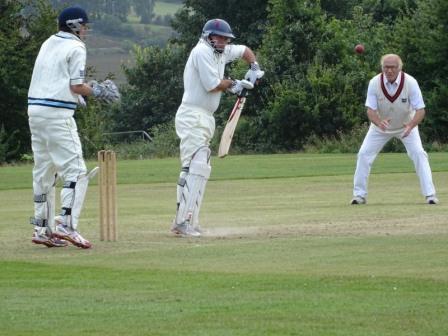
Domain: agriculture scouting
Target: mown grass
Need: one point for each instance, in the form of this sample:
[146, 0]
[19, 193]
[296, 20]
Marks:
[283, 254]
[95, 300]
[242, 167]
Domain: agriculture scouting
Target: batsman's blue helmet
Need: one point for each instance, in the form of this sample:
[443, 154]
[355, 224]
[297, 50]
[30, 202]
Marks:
[72, 16]
[217, 27]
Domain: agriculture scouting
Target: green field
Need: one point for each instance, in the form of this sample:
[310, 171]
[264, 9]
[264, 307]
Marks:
[166, 8]
[107, 54]
[282, 254]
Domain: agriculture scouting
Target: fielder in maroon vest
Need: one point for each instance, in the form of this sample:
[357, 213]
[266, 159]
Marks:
[395, 108]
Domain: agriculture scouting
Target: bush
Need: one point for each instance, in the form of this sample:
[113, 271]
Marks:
[138, 149]
[91, 122]
[164, 144]
[165, 141]
[9, 146]
[348, 142]
[112, 25]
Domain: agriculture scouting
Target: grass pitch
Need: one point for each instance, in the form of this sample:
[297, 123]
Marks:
[283, 254]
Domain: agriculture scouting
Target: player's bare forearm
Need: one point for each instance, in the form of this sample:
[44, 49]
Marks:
[223, 85]
[249, 55]
[418, 117]
[82, 89]
[373, 117]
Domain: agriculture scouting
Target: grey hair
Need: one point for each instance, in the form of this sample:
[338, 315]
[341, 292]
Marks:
[400, 62]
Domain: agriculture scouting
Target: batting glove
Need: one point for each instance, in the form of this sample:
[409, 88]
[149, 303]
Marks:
[254, 73]
[238, 86]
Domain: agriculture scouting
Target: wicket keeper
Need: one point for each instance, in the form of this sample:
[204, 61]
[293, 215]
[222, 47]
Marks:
[57, 86]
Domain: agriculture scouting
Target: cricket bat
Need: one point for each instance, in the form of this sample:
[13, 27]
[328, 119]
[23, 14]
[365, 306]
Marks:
[227, 134]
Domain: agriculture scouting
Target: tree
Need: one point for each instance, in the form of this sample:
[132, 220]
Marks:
[144, 8]
[25, 25]
[99, 8]
[386, 10]
[155, 82]
[317, 83]
[314, 85]
[246, 17]
[421, 35]
[154, 91]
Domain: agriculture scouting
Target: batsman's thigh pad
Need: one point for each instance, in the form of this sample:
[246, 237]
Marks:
[193, 190]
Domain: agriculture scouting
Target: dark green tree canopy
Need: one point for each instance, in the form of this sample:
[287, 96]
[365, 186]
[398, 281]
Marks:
[314, 86]
[25, 25]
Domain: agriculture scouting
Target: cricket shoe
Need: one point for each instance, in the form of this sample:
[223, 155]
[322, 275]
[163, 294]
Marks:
[432, 199]
[73, 236]
[48, 241]
[184, 229]
[198, 228]
[358, 200]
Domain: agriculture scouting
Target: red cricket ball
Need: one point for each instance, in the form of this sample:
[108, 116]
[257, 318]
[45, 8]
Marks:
[359, 48]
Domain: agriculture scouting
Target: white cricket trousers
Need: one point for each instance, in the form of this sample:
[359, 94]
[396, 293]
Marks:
[373, 143]
[57, 149]
[195, 127]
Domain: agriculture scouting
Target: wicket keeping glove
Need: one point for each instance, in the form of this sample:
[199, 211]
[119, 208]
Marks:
[106, 91]
[82, 101]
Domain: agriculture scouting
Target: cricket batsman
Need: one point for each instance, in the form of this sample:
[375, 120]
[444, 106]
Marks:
[195, 124]
[57, 86]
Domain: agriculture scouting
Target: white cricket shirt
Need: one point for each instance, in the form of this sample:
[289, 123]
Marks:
[60, 63]
[204, 71]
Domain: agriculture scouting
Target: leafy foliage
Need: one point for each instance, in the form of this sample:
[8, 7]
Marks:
[314, 87]
[246, 17]
[154, 91]
[91, 121]
[318, 82]
[25, 25]
[144, 8]
[422, 35]
[97, 9]
[164, 143]
[9, 147]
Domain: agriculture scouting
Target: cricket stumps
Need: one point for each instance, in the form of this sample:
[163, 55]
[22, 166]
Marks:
[108, 195]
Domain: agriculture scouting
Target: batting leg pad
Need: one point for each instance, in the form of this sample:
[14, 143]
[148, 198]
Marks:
[181, 184]
[44, 206]
[191, 193]
[72, 200]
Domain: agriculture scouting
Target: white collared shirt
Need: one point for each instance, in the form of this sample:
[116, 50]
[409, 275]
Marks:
[392, 87]
[415, 94]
